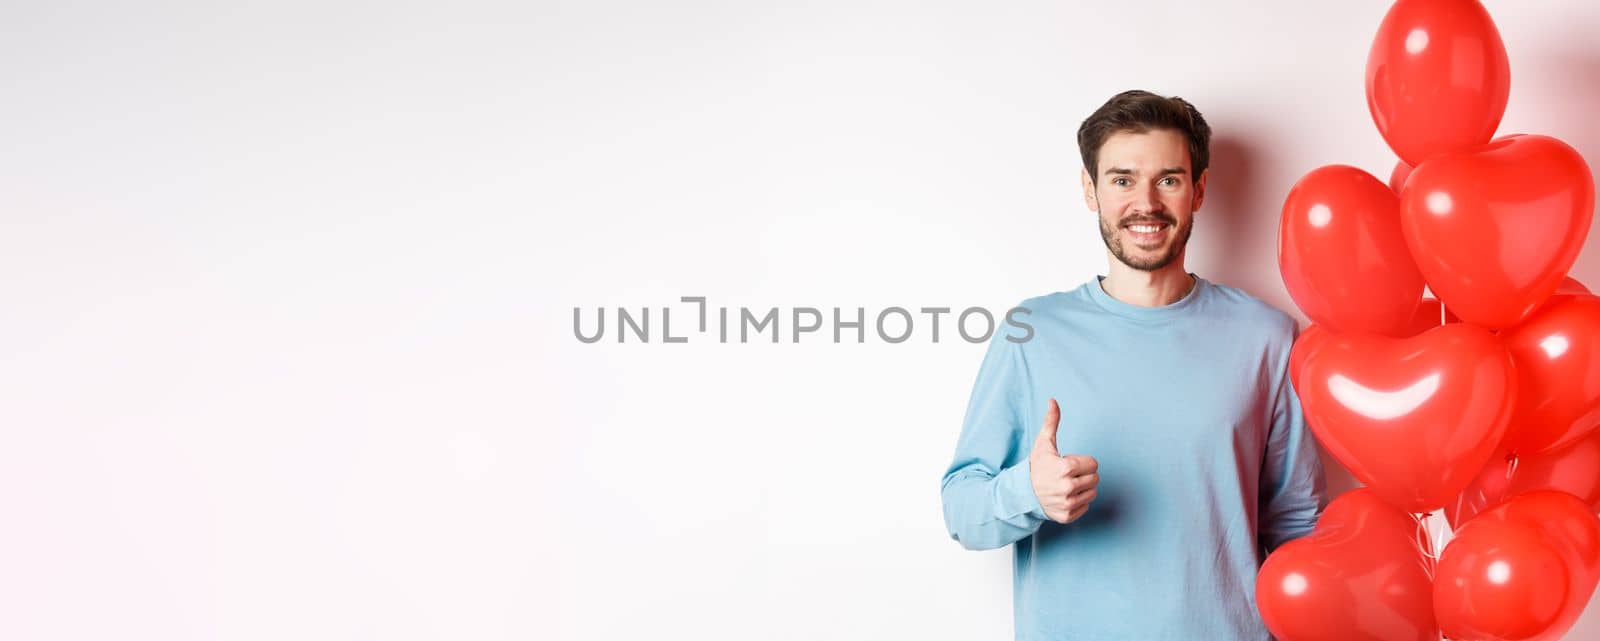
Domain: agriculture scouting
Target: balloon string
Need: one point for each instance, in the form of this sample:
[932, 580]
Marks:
[1511, 465]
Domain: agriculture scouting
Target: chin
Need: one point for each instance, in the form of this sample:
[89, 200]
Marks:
[1150, 261]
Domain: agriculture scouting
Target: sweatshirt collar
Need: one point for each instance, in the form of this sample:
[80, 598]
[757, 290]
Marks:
[1097, 292]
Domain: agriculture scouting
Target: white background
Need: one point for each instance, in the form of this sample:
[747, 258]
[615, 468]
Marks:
[287, 345]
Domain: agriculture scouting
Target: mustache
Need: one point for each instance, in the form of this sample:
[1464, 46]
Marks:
[1149, 220]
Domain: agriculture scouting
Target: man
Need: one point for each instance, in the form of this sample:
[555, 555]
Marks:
[1145, 448]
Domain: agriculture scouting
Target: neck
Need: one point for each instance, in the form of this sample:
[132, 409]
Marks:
[1159, 288]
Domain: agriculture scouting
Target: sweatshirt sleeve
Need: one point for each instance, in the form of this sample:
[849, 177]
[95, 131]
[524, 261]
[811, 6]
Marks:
[1292, 492]
[988, 496]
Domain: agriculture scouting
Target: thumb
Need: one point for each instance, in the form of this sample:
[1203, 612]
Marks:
[1047, 433]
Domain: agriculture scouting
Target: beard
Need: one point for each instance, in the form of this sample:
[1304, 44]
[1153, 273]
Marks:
[1113, 240]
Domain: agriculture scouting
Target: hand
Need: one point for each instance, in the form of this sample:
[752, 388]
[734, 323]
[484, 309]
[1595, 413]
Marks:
[1064, 484]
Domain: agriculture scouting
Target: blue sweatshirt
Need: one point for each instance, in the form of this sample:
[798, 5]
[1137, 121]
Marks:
[1205, 463]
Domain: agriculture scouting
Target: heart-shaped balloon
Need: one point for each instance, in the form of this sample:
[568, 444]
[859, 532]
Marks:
[1437, 77]
[1364, 574]
[1574, 469]
[1495, 230]
[1414, 419]
[1523, 570]
[1342, 254]
[1557, 352]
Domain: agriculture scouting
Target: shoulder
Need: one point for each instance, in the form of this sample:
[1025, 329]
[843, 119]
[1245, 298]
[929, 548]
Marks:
[1077, 298]
[1253, 315]
[1045, 302]
[1053, 321]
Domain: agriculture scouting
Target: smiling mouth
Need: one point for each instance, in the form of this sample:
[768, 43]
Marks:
[1146, 232]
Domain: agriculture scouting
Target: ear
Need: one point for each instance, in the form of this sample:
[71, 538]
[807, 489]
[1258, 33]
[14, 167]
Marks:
[1200, 190]
[1088, 190]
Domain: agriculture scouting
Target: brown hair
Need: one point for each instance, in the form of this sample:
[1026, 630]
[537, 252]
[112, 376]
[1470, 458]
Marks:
[1138, 112]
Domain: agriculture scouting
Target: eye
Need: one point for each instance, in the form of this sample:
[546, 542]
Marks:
[1120, 181]
[1170, 181]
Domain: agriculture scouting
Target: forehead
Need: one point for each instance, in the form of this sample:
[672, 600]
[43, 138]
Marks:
[1148, 151]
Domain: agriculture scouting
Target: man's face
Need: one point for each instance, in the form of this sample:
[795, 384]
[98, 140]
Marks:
[1146, 197]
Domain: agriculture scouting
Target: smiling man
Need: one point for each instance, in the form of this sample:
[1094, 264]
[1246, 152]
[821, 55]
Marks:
[1145, 450]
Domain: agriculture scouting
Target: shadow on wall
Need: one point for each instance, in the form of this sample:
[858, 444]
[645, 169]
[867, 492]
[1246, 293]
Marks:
[1236, 230]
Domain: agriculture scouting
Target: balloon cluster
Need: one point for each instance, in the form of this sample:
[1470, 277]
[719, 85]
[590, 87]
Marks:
[1482, 403]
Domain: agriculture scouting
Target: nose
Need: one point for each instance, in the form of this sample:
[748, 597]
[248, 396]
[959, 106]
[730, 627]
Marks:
[1145, 200]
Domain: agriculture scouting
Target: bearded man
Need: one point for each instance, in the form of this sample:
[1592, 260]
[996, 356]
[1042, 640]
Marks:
[1145, 450]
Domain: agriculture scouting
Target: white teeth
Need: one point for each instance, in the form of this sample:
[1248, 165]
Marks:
[1144, 229]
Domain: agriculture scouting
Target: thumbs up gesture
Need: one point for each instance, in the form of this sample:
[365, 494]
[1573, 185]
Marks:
[1064, 484]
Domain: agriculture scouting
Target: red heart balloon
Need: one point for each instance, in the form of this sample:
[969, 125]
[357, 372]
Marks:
[1343, 256]
[1414, 418]
[1364, 574]
[1523, 570]
[1495, 230]
[1574, 469]
[1437, 77]
[1557, 352]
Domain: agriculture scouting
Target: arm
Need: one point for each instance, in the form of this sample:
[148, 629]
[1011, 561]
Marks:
[1292, 494]
[989, 501]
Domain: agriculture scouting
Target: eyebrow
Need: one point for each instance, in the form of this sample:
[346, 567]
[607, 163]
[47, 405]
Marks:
[1164, 172]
